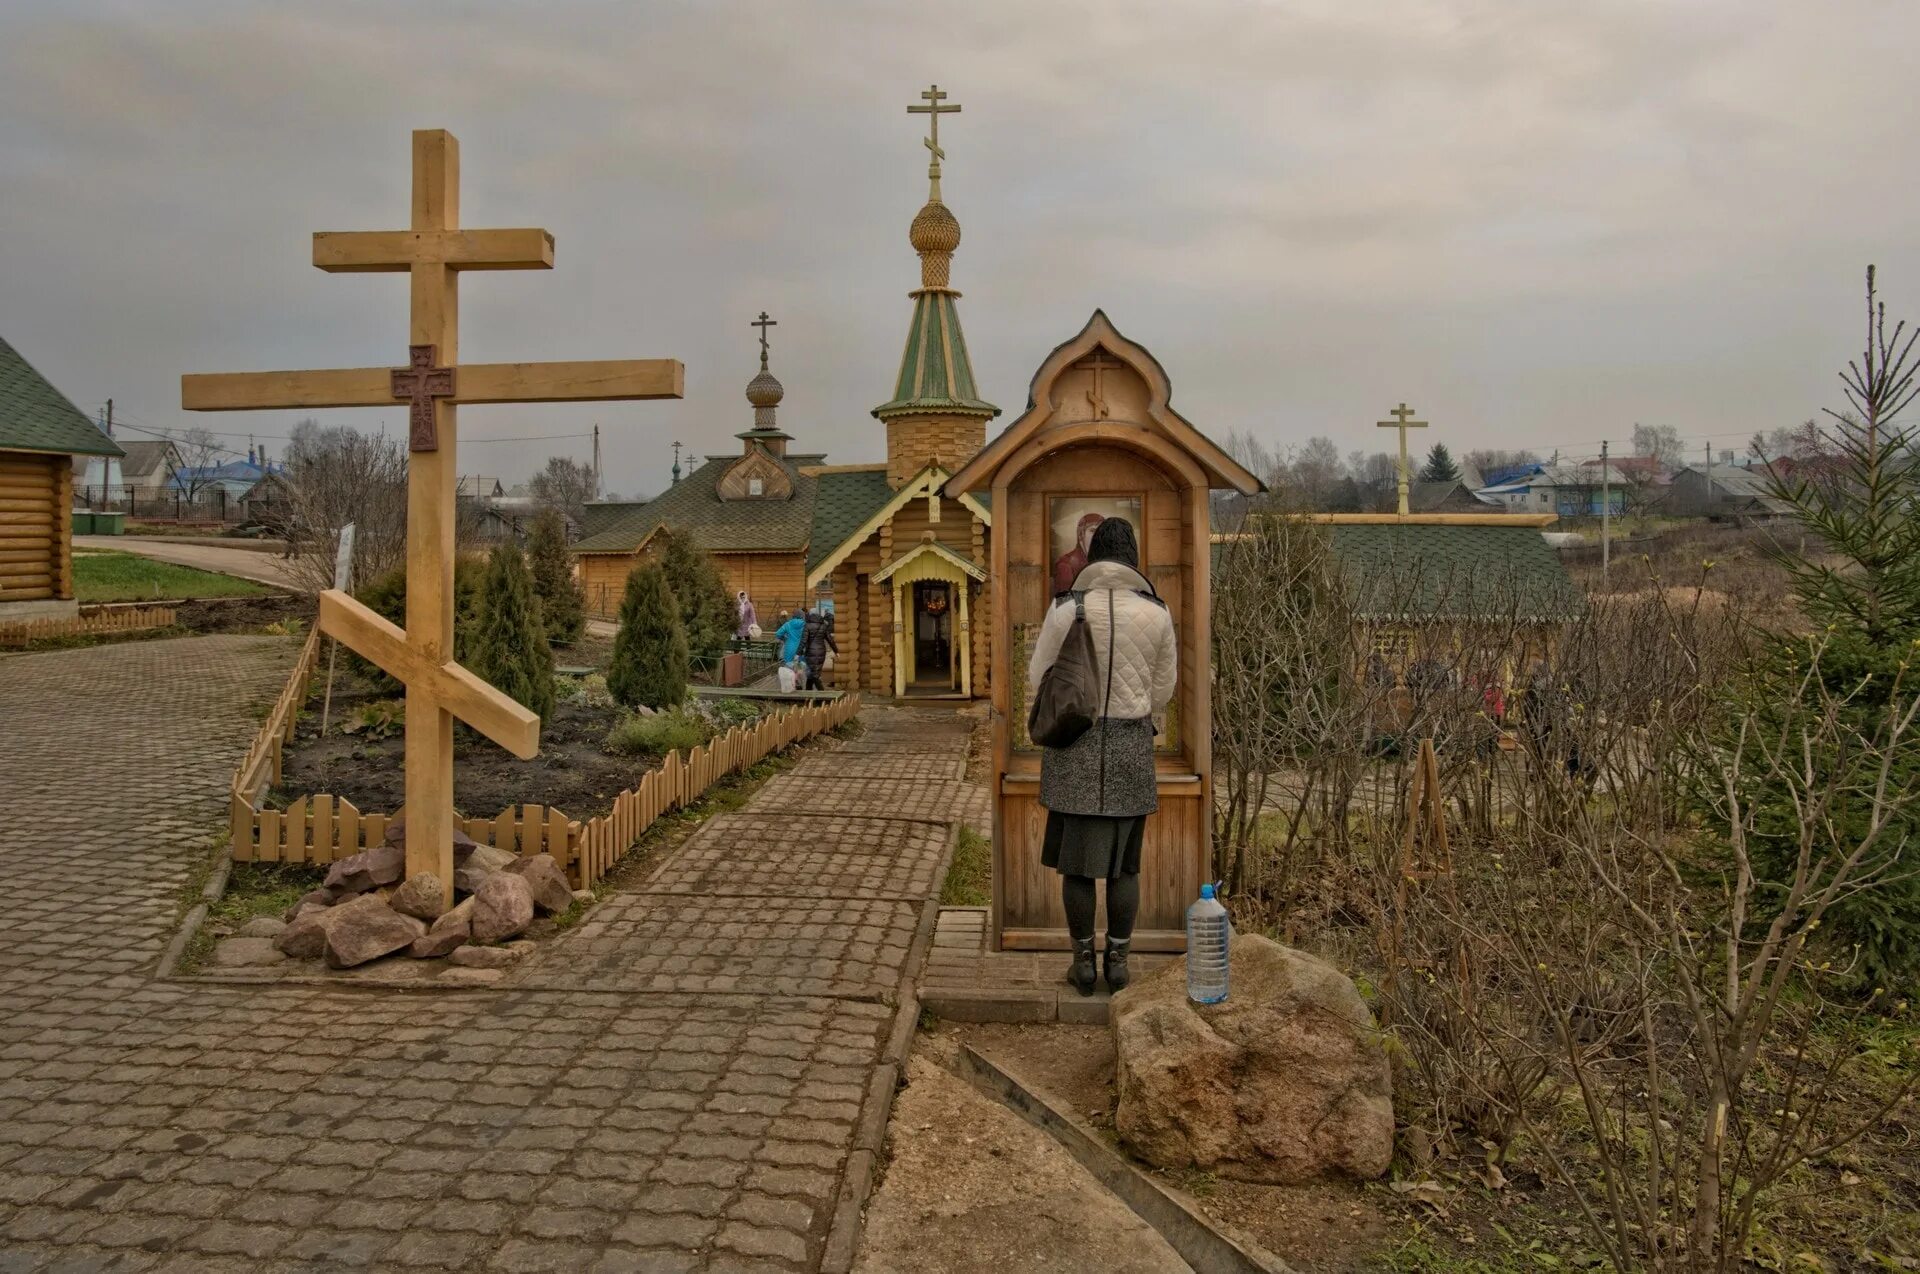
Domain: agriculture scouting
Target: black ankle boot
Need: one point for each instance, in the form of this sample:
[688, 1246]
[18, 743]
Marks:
[1084, 974]
[1117, 975]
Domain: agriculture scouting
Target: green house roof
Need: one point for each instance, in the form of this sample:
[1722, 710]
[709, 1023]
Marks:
[844, 502]
[34, 416]
[935, 373]
[1424, 573]
[718, 526]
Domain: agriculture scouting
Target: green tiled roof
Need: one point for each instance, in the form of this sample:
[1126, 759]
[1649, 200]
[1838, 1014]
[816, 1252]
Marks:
[844, 502]
[719, 526]
[935, 372]
[34, 416]
[1418, 573]
[603, 515]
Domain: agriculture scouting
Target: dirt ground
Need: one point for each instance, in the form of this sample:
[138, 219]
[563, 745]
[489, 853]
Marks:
[971, 1188]
[1325, 1228]
[573, 772]
[242, 614]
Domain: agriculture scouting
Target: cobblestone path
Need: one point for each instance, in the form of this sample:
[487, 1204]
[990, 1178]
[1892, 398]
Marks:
[677, 1085]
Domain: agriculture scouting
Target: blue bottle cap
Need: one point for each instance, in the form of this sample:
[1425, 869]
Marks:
[1206, 890]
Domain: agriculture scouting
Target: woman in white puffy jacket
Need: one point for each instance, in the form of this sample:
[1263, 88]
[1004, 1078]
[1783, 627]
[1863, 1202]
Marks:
[1099, 789]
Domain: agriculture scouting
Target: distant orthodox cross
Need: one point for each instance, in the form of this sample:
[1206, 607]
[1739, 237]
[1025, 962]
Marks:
[763, 323]
[934, 97]
[433, 252]
[1400, 422]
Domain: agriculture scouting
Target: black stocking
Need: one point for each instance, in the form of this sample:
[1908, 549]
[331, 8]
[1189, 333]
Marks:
[1076, 893]
[1123, 905]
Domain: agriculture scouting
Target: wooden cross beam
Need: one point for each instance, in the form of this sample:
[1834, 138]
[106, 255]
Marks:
[1403, 424]
[434, 252]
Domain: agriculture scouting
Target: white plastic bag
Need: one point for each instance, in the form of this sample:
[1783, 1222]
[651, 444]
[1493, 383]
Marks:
[753, 632]
[787, 679]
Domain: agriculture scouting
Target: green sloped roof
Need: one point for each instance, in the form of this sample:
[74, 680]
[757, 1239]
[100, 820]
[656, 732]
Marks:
[935, 372]
[1421, 573]
[844, 502]
[719, 526]
[603, 515]
[34, 416]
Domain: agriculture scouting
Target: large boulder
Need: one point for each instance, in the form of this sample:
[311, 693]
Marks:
[551, 892]
[306, 937]
[396, 834]
[1284, 1081]
[502, 907]
[422, 896]
[357, 873]
[368, 931]
[451, 930]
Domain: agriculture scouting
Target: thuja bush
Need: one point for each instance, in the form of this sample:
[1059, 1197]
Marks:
[510, 648]
[649, 667]
[563, 608]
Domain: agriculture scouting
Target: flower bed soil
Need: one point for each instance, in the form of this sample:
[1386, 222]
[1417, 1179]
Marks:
[573, 772]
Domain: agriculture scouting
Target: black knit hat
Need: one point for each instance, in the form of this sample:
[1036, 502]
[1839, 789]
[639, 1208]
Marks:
[1113, 541]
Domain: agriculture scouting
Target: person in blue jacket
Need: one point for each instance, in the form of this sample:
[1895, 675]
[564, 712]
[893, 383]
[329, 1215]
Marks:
[792, 628]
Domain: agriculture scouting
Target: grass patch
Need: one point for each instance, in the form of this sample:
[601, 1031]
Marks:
[253, 889]
[110, 575]
[970, 876]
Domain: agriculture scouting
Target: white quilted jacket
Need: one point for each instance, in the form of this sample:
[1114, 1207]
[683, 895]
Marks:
[1144, 659]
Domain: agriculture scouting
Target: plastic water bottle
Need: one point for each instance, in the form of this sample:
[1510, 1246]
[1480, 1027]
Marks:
[1208, 935]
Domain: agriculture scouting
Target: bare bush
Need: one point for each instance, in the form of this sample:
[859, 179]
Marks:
[338, 475]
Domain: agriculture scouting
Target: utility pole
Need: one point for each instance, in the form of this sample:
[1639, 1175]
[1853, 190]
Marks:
[596, 461]
[1606, 510]
[1709, 473]
[106, 463]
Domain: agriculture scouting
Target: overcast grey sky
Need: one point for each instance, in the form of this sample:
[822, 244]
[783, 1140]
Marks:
[1536, 222]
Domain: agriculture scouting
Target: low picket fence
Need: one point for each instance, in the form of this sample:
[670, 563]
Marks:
[323, 829]
[87, 624]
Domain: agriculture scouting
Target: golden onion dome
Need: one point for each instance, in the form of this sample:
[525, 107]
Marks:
[935, 229]
[765, 390]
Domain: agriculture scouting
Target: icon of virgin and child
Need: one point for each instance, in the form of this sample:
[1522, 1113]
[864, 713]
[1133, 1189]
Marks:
[1072, 522]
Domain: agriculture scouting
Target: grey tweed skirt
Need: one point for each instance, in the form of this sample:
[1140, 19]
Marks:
[1089, 845]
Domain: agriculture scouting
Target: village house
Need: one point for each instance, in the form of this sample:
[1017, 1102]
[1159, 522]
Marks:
[1723, 491]
[41, 432]
[140, 476]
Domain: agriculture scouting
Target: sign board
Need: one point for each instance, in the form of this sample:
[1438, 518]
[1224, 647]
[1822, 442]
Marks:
[343, 560]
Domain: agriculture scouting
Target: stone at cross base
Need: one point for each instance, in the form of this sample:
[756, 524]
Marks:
[433, 251]
[1285, 1081]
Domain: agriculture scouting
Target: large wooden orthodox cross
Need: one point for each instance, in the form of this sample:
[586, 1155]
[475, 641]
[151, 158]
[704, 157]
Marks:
[1403, 424]
[432, 383]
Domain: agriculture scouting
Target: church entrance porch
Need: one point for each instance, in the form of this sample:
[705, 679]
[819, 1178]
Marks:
[932, 627]
[931, 667]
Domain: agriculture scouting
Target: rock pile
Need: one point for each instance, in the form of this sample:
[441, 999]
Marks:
[365, 910]
[1284, 1081]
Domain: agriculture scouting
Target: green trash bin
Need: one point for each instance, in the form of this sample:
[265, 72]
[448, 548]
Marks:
[109, 524]
[82, 522]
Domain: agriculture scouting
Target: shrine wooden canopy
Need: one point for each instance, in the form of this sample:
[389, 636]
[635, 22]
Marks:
[434, 252]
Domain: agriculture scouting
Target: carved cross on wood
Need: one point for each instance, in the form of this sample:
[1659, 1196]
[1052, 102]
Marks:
[434, 252]
[1098, 362]
[420, 382]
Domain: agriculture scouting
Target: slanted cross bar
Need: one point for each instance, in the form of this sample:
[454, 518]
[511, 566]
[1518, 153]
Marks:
[1403, 424]
[433, 252]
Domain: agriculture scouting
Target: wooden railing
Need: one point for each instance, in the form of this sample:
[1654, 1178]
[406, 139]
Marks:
[87, 623]
[324, 829]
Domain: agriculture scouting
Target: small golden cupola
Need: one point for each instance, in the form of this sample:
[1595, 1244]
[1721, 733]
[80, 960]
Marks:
[936, 415]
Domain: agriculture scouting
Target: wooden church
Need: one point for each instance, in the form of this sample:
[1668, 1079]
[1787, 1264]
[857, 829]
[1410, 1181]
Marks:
[902, 566]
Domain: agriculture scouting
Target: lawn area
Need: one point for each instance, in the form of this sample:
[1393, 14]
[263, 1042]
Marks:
[113, 576]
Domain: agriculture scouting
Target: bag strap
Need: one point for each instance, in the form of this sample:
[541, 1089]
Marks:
[1108, 701]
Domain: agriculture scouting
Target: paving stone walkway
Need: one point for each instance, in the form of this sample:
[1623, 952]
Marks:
[678, 1085]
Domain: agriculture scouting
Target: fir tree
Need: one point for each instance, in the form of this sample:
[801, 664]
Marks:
[649, 665]
[1864, 609]
[707, 612]
[562, 607]
[1440, 466]
[510, 649]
